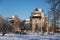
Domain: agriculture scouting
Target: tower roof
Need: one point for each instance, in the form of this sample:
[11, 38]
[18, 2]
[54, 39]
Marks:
[37, 9]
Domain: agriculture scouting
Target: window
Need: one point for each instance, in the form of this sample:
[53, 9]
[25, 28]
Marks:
[35, 20]
[40, 18]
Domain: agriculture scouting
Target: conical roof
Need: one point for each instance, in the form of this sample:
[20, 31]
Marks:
[37, 9]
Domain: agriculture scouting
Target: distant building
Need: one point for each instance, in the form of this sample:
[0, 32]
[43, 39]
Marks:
[1, 19]
[38, 20]
[27, 21]
[16, 22]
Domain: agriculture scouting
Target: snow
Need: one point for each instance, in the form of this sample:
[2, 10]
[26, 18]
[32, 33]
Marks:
[27, 19]
[36, 15]
[40, 9]
[13, 16]
[29, 37]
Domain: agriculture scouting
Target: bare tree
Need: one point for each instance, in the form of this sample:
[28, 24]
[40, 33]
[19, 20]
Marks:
[54, 11]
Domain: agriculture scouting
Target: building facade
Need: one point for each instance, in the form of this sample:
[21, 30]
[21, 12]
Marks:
[16, 23]
[38, 20]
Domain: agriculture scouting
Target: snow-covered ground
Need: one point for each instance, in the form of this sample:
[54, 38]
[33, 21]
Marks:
[29, 37]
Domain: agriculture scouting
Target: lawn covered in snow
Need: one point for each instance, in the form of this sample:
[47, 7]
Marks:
[29, 37]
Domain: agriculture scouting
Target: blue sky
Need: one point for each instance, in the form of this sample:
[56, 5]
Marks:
[21, 8]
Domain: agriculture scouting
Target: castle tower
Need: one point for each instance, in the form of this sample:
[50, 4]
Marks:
[38, 20]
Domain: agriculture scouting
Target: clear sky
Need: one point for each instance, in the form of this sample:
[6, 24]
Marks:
[21, 8]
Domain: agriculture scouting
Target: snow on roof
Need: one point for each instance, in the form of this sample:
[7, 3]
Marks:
[36, 15]
[13, 16]
[27, 19]
[37, 10]
[40, 10]
[10, 19]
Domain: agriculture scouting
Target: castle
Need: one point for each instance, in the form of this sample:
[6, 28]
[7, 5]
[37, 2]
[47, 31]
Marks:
[36, 23]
